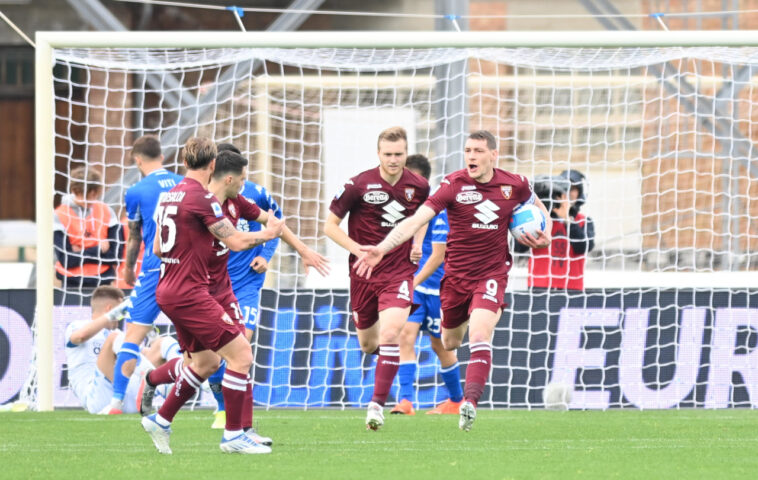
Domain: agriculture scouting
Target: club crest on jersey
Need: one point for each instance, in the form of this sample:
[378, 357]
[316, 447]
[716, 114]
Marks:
[376, 198]
[232, 210]
[409, 193]
[467, 198]
[506, 190]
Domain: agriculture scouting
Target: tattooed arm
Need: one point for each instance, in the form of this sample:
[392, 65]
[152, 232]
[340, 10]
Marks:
[132, 251]
[225, 232]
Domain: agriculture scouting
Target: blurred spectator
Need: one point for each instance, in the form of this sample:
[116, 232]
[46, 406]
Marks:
[86, 233]
[561, 265]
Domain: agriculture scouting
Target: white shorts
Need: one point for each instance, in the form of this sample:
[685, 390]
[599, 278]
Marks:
[99, 391]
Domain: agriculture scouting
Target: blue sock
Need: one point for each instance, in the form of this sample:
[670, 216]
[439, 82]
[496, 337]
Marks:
[214, 381]
[407, 375]
[452, 378]
[129, 351]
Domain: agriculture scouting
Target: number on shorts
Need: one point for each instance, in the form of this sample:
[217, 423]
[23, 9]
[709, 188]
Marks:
[491, 286]
[403, 290]
[163, 216]
[237, 311]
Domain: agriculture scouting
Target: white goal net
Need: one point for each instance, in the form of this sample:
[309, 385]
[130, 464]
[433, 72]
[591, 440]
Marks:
[664, 137]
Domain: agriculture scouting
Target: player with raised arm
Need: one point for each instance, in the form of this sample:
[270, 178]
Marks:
[226, 181]
[190, 220]
[479, 200]
[91, 347]
[426, 294]
[247, 271]
[141, 200]
[376, 200]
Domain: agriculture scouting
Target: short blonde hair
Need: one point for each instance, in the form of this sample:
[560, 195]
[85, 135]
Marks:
[199, 152]
[393, 134]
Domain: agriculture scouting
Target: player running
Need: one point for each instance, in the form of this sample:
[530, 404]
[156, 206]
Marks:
[247, 271]
[141, 200]
[376, 200]
[479, 200]
[426, 294]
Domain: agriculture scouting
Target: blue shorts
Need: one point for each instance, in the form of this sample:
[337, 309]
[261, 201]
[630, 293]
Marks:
[428, 312]
[249, 298]
[144, 309]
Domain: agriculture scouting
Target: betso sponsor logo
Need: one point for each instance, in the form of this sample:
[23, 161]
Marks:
[467, 198]
[376, 197]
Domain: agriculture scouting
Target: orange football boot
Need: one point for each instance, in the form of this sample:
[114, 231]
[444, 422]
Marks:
[405, 407]
[448, 407]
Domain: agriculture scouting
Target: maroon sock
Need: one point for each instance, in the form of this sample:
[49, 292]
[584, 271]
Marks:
[386, 369]
[184, 388]
[234, 389]
[478, 370]
[166, 373]
[247, 407]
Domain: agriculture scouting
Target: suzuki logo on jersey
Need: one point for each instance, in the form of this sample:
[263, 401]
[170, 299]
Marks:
[486, 215]
[467, 198]
[376, 198]
[392, 213]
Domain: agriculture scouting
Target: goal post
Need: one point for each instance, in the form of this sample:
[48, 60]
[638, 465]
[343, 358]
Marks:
[589, 100]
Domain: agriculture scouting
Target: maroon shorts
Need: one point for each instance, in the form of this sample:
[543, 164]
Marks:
[202, 324]
[459, 297]
[367, 299]
[231, 306]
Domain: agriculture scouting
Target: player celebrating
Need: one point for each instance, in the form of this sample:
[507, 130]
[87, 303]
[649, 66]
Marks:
[479, 200]
[91, 352]
[189, 219]
[376, 200]
[247, 270]
[426, 293]
[141, 200]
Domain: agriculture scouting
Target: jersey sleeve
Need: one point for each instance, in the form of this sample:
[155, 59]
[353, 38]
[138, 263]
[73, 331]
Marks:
[440, 228]
[267, 202]
[131, 200]
[524, 192]
[344, 199]
[70, 329]
[208, 208]
[442, 197]
[248, 209]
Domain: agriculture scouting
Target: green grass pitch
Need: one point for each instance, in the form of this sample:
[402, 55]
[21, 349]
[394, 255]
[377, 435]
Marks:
[333, 444]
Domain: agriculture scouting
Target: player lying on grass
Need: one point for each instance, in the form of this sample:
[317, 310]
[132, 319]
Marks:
[91, 347]
[479, 200]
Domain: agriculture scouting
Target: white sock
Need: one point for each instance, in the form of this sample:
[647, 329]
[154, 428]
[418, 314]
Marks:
[229, 434]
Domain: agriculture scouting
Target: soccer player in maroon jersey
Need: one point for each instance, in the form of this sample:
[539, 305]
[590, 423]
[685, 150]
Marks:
[479, 200]
[376, 200]
[190, 220]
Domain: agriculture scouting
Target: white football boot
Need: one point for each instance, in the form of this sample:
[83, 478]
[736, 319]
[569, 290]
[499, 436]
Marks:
[374, 416]
[468, 415]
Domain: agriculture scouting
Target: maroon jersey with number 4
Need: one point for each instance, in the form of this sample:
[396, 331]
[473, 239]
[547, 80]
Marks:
[478, 214]
[375, 207]
[183, 216]
[234, 209]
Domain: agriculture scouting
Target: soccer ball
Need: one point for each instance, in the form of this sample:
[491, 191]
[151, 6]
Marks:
[526, 219]
[557, 396]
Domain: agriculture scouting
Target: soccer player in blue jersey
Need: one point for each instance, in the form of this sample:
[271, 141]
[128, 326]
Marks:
[141, 200]
[426, 283]
[247, 270]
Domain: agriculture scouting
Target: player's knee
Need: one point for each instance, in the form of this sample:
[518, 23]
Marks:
[369, 347]
[450, 343]
[479, 337]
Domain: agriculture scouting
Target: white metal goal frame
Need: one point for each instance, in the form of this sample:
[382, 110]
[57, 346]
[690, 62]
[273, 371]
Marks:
[46, 42]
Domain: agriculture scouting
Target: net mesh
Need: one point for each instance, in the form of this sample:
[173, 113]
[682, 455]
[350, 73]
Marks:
[663, 136]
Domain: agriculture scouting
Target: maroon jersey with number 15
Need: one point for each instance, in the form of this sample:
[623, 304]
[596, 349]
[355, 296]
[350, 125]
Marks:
[479, 214]
[183, 216]
[375, 207]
